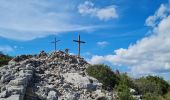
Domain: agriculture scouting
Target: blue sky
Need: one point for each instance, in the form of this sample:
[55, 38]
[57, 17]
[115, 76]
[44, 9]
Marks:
[129, 35]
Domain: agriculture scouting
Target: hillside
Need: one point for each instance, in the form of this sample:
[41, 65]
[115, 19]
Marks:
[60, 76]
[54, 76]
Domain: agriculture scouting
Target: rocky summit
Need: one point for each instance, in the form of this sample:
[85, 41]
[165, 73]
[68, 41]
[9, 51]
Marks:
[49, 76]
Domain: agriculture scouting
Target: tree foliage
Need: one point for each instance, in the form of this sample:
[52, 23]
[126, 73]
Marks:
[124, 92]
[123, 87]
[4, 59]
[152, 84]
[104, 74]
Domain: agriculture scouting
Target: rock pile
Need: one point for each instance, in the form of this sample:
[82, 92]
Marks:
[54, 76]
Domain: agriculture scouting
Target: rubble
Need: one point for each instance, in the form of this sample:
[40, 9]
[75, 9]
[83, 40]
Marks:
[49, 76]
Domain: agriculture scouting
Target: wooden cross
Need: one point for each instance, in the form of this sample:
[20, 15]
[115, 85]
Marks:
[79, 42]
[55, 43]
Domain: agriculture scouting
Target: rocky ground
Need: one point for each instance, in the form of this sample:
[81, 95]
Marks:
[54, 76]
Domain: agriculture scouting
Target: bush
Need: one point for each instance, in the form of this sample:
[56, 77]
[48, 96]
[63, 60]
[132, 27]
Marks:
[167, 96]
[150, 87]
[152, 84]
[124, 92]
[125, 79]
[4, 59]
[160, 82]
[150, 96]
[104, 74]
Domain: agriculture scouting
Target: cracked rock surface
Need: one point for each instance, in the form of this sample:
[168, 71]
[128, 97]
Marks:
[53, 76]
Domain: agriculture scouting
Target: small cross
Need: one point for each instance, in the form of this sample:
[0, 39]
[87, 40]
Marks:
[79, 42]
[55, 43]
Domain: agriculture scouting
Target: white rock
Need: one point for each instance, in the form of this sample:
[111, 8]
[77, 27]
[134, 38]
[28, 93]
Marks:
[132, 91]
[26, 73]
[15, 97]
[6, 77]
[29, 67]
[47, 72]
[65, 79]
[52, 95]
[22, 73]
[19, 81]
[16, 89]
[50, 86]
[137, 97]
[99, 93]
[72, 96]
[12, 62]
[3, 94]
[76, 79]
[29, 71]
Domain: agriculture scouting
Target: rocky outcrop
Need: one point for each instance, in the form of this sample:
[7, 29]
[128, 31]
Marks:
[54, 76]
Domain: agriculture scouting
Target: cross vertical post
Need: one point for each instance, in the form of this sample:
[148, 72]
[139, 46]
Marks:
[55, 43]
[79, 44]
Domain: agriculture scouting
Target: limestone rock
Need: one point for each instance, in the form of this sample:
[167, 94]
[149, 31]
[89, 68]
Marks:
[16, 89]
[49, 76]
[18, 81]
[52, 95]
[3, 94]
[14, 97]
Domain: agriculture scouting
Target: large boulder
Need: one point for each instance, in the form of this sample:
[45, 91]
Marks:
[16, 89]
[7, 77]
[19, 81]
[52, 95]
[79, 81]
[3, 94]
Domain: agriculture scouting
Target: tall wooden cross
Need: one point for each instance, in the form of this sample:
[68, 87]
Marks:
[55, 43]
[79, 42]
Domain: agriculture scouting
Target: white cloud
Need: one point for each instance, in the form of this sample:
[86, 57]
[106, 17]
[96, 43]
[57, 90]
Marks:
[96, 60]
[107, 13]
[159, 15]
[88, 8]
[102, 43]
[30, 19]
[6, 49]
[150, 54]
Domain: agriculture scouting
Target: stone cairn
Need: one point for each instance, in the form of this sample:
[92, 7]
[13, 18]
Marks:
[53, 76]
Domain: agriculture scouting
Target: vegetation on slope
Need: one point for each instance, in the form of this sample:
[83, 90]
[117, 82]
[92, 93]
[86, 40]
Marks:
[149, 87]
[153, 88]
[123, 88]
[104, 74]
[4, 59]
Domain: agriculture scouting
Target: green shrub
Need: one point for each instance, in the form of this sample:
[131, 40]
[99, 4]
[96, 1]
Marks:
[167, 96]
[104, 74]
[150, 96]
[145, 86]
[162, 85]
[125, 79]
[152, 84]
[124, 92]
[4, 59]
[150, 87]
